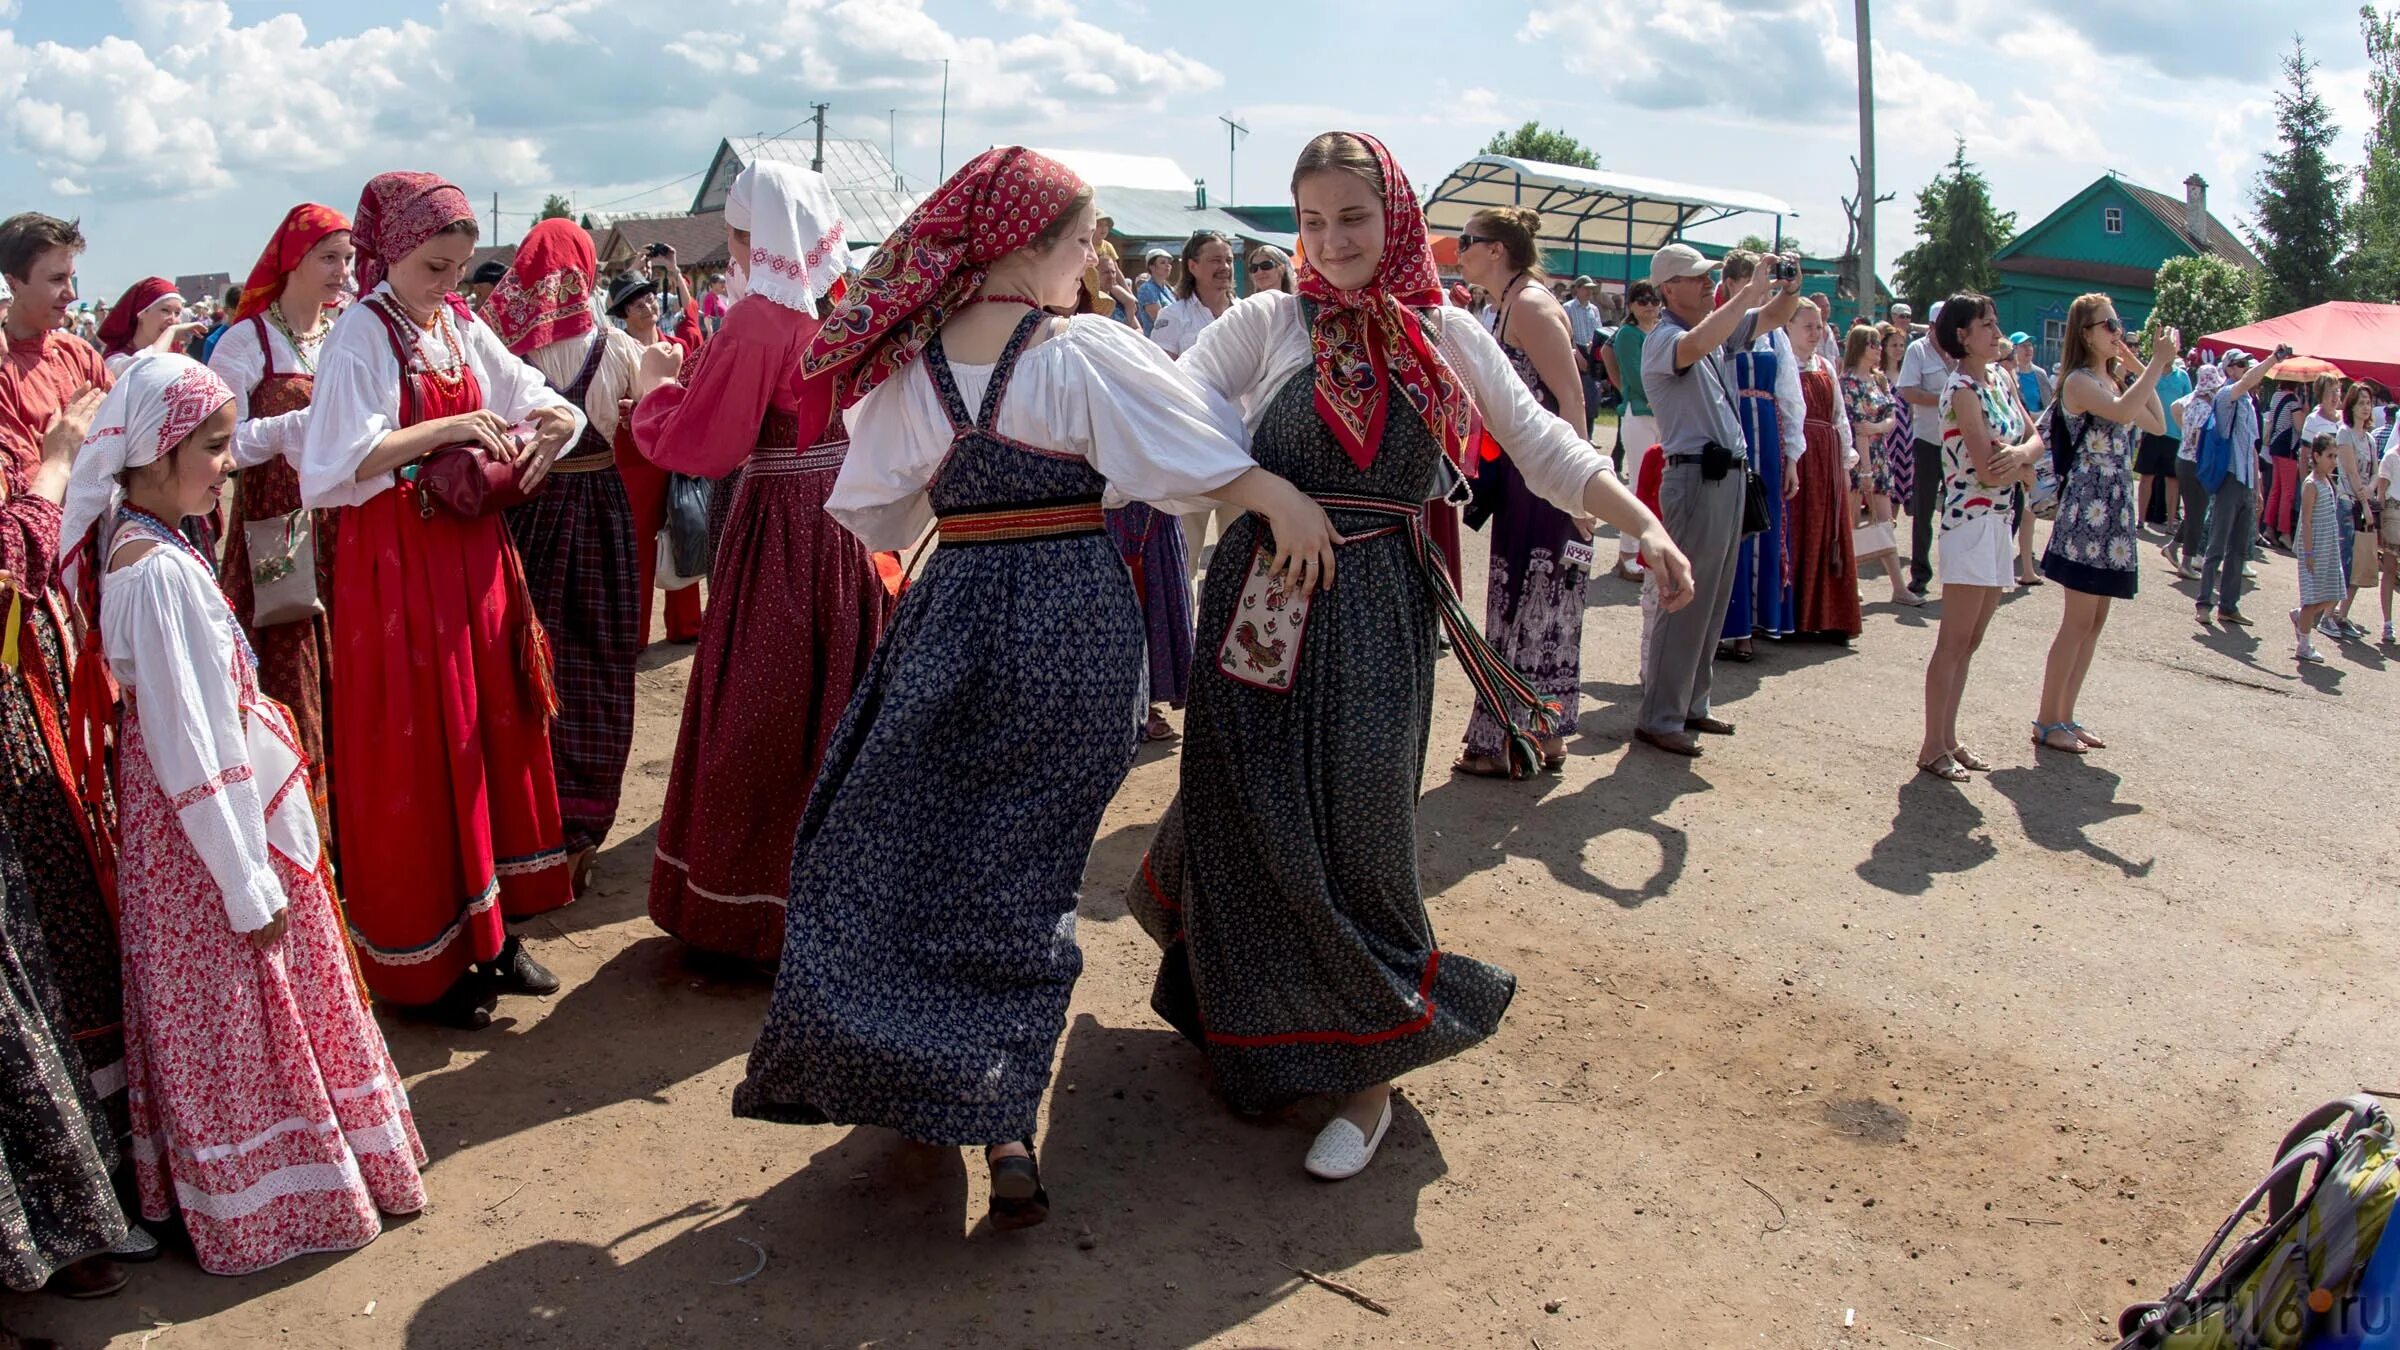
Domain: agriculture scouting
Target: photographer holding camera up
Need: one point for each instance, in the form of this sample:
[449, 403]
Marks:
[1687, 371]
[680, 320]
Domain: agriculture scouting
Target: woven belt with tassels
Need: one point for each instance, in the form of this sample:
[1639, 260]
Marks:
[1497, 684]
[1054, 520]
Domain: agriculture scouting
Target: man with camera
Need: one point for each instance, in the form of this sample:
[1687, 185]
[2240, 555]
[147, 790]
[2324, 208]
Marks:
[660, 260]
[1687, 371]
[2233, 508]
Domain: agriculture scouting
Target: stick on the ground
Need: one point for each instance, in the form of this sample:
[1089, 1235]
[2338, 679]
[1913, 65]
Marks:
[1344, 1290]
[1782, 1220]
[506, 1198]
[2033, 1223]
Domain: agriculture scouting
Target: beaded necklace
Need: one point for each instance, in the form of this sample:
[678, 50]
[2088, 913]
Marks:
[304, 348]
[142, 522]
[451, 377]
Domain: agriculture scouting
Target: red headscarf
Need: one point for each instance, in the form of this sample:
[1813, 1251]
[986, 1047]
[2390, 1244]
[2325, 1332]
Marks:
[303, 227]
[1367, 340]
[396, 214]
[116, 335]
[546, 295]
[993, 206]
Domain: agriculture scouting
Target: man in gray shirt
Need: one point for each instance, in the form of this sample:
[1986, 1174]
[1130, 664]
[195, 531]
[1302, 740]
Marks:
[1924, 371]
[1687, 372]
[2233, 509]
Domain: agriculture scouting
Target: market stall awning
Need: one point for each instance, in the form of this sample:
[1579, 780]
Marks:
[1587, 209]
[2363, 339]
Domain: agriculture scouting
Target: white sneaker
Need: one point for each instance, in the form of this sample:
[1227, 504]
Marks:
[2388, 639]
[2248, 570]
[1341, 1152]
[2330, 628]
[2310, 655]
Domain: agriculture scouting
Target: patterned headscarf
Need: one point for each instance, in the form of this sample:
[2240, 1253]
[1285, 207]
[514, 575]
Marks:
[1366, 341]
[796, 233]
[2196, 409]
[546, 294]
[303, 228]
[396, 214]
[116, 335]
[993, 206]
[155, 403]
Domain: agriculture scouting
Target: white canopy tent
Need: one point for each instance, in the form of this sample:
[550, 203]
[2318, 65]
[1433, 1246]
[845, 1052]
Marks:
[1588, 210]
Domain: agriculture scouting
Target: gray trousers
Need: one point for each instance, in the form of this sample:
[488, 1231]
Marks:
[1705, 521]
[2193, 537]
[1924, 508]
[2232, 520]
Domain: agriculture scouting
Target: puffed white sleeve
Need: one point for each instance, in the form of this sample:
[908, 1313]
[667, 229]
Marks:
[1791, 407]
[1841, 425]
[1153, 433]
[512, 387]
[356, 403]
[1554, 460]
[1230, 359]
[242, 363]
[163, 622]
[899, 436]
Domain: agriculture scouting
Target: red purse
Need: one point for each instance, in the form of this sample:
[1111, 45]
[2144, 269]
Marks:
[467, 482]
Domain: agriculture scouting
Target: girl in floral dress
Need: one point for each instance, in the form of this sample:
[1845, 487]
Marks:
[266, 1109]
[1874, 414]
[2094, 542]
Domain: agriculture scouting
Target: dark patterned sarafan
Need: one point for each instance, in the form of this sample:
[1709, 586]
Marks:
[1283, 882]
[929, 947]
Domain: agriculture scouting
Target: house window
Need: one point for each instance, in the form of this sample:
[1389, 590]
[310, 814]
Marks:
[2112, 219]
[2054, 342]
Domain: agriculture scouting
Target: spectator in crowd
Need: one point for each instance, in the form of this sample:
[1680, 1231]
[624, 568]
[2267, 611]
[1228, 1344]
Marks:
[1902, 316]
[2233, 508]
[2347, 416]
[1830, 347]
[2383, 496]
[1924, 373]
[1986, 448]
[1687, 370]
[2154, 460]
[1117, 300]
[1867, 397]
[1774, 417]
[2314, 542]
[2287, 408]
[480, 282]
[148, 317]
[1899, 448]
[2190, 540]
[1584, 322]
[1637, 429]
[1205, 292]
[1270, 270]
[2021, 497]
[713, 304]
[218, 315]
[2034, 385]
[1157, 290]
[678, 311]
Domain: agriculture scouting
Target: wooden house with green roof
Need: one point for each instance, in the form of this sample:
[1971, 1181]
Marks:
[2110, 237]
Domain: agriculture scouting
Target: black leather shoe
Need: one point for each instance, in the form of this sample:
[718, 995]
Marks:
[1708, 726]
[516, 972]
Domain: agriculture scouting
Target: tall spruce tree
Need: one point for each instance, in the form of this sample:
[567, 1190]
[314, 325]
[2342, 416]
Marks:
[2300, 198]
[1958, 231]
[2372, 271]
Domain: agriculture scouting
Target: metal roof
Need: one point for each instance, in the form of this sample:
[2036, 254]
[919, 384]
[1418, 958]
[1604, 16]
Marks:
[865, 185]
[1585, 208]
[1153, 216]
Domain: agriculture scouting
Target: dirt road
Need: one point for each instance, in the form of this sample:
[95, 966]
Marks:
[1810, 1051]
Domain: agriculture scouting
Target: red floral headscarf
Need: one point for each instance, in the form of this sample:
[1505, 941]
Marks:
[303, 227]
[396, 214]
[116, 332]
[1367, 340]
[546, 295]
[993, 206]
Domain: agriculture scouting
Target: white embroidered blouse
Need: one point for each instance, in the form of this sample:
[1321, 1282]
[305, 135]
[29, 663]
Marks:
[357, 401]
[242, 363]
[1249, 353]
[1098, 391]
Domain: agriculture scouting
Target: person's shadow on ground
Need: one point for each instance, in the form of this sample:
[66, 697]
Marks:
[1171, 1223]
[1938, 829]
[1470, 825]
[2062, 799]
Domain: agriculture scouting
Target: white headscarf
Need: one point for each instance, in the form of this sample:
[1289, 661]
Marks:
[797, 244]
[158, 399]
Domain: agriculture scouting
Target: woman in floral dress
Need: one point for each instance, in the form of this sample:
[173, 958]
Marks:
[2095, 540]
[1867, 398]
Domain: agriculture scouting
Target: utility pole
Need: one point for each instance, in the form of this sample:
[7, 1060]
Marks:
[892, 144]
[1866, 164]
[818, 163]
[495, 217]
[1234, 131]
[944, 161]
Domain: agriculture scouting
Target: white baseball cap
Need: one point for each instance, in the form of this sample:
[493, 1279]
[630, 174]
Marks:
[1677, 261]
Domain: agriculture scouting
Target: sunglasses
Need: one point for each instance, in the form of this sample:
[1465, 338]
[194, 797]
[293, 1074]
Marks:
[2110, 324]
[1466, 240]
[1264, 265]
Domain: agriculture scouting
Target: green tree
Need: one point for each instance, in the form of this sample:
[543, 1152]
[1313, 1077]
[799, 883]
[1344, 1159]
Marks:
[1958, 231]
[2372, 271]
[1543, 146]
[2203, 294]
[556, 207]
[2299, 198]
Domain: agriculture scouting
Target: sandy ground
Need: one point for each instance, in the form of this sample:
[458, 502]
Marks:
[1809, 1052]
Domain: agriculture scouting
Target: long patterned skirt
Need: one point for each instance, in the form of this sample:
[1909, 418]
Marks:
[1824, 554]
[293, 658]
[65, 893]
[576, 540]
[1151, 543]
[57, 1147]
[1533, 606]
[444, 794]
[1762, 575]
[931, 944]
[787, 639]
[266, 1110]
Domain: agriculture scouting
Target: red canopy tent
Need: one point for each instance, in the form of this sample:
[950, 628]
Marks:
[2363, 339]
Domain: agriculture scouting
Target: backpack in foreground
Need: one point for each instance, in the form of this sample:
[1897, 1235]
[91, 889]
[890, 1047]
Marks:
[2294, 1284]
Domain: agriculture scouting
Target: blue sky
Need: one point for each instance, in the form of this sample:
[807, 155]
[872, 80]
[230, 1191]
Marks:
[181, 129]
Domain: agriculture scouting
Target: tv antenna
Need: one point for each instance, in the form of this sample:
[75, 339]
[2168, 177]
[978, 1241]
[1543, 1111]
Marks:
[1234, 131]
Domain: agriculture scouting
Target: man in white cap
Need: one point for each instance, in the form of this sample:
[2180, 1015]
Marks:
[1924, 372]
[1157, 290]
[2233, 507]
[1687, 371]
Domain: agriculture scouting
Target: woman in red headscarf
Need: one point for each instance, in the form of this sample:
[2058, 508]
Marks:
[929, 949]
[445, 803]
[576, 535]
[268, 357]
[148, 317]
[1283, 882]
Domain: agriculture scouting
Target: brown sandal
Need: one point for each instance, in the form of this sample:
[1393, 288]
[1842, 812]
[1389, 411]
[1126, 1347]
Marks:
[1481, 766]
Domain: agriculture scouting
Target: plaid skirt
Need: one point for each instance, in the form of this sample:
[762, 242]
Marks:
[576, 540]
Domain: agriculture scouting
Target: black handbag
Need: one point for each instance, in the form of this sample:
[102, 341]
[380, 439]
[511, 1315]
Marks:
[1754, 503]
[687, 525]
